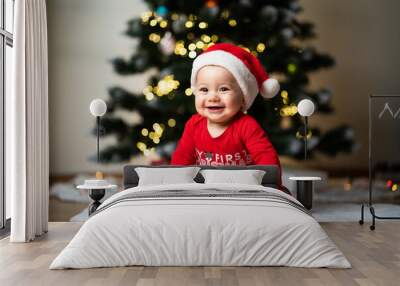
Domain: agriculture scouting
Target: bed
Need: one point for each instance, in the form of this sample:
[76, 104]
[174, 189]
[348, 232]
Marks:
[201, 223]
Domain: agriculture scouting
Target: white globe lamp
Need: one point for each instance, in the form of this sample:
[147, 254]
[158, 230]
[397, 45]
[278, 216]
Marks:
[97, 187]
[98, 108]
[305, 108]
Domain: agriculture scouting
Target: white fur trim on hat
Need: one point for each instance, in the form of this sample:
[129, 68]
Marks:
[245, 79]
[270, 88]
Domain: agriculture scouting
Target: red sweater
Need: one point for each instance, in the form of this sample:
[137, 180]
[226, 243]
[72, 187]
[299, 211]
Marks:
[244, 142]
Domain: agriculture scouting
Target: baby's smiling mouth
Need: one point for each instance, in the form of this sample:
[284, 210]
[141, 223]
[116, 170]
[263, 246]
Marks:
[215, 107]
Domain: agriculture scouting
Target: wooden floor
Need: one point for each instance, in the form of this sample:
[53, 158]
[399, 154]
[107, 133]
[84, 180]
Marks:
[375, 256]
[60, 210]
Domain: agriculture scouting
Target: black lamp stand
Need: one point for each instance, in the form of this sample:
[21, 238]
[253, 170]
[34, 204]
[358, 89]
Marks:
[96, 194]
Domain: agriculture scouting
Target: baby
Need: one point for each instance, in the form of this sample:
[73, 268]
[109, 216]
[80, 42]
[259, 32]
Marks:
[225, 81]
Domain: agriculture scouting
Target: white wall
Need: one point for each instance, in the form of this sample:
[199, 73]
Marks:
[362, 35]
[83, 37]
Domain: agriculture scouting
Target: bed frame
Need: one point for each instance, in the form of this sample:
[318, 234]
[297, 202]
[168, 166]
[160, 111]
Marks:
[270, 179]
[131, 179]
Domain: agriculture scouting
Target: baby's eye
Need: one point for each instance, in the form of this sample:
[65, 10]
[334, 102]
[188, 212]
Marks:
[224, 88]
[203, 89]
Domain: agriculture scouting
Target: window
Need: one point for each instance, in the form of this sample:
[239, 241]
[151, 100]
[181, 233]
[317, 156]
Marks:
[6, 44]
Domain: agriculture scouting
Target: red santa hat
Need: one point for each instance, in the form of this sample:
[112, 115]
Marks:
[244, 66]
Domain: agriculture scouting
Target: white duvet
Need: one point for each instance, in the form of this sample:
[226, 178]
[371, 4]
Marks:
[183, 231]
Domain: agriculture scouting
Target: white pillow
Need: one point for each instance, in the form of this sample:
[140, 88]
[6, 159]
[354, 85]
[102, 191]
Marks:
[166, 176]
[249, 177]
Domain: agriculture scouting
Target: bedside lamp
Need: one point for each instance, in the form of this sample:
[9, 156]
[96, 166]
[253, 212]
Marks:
[98, 108]
[305, 108]
[305, 184]
[98, 186]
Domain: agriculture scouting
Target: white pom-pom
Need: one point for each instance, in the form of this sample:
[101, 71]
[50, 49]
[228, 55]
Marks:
[98, 107]
[306, 107]
[270, 88]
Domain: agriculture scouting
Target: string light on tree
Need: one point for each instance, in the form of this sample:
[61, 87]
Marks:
[205, 38]
[188, 91]
[163, 24]
[232, 22]
[145, 132]
[147, 91]
[292, 68]
[153, 23]
[166, 85]
[141, 146]
[146, 16]
[171, 122]
[285, 97]
[158, 129]
[150, 96]
[192, 47]
[288, 110]
[189, 24]
[180, 48]
[260, 47]
[200, 45]
[154, 37]
[203, 25]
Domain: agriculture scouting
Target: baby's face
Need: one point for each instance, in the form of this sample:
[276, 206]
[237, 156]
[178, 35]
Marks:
[218, 96]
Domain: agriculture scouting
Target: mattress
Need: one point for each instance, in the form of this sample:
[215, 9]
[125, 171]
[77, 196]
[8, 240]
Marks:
[201, 225]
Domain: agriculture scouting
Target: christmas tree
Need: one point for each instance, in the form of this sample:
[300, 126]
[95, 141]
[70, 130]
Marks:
[173, 32]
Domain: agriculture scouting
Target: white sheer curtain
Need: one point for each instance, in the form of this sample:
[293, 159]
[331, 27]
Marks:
[27, 142]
